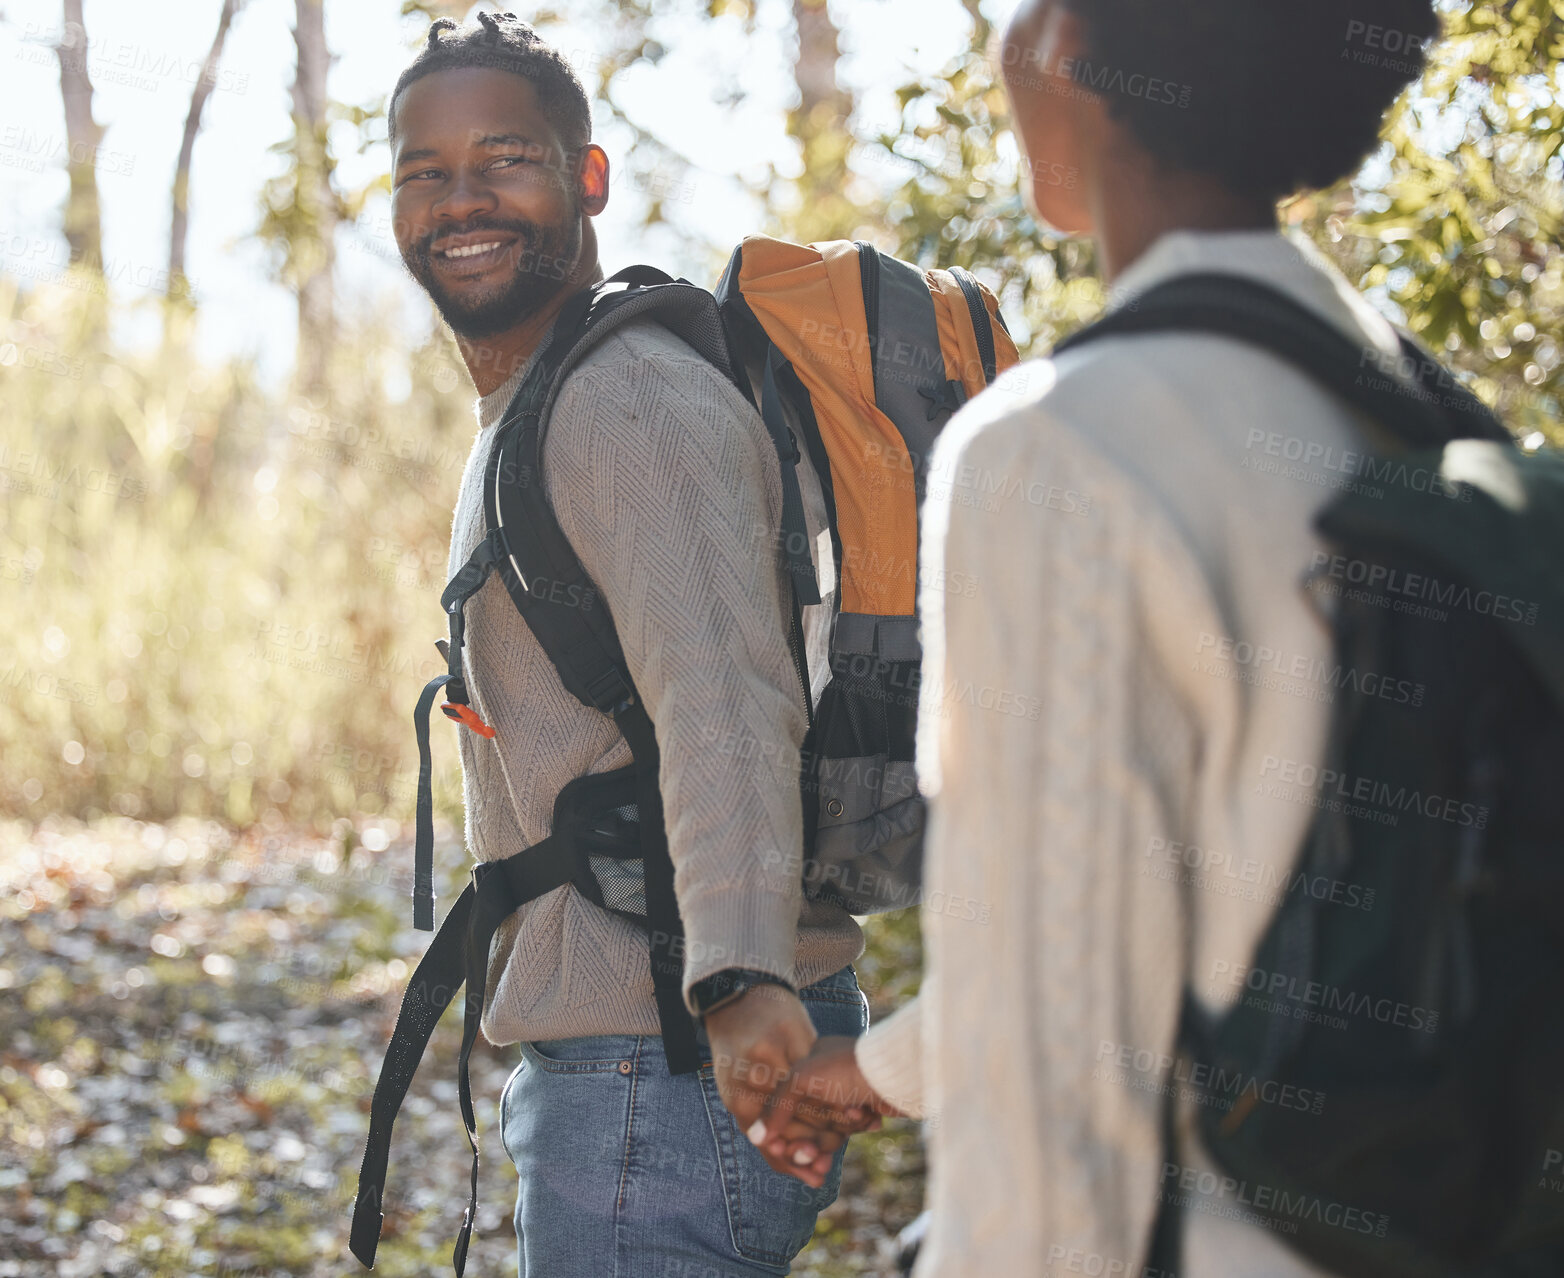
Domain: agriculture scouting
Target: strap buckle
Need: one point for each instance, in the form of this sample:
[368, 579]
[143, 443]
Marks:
[467, 717]
[609, 692]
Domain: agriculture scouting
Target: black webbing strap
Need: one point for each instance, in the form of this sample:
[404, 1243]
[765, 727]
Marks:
[457, 592]
[545, 578]
[665, 926]
[423, 838]
[434, 984]
[502, 888]
[1416, 409]
[795, 531]
[457, 956]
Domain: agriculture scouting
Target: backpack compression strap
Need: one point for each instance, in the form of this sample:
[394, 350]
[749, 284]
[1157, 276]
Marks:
[1418, 409]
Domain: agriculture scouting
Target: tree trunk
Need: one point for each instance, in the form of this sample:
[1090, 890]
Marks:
[316, 199]
[815, 69]
[820, 123]
[178, 285]
[83, 223]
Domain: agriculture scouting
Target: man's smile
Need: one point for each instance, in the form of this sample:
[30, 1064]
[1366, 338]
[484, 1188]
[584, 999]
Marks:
[474, 250]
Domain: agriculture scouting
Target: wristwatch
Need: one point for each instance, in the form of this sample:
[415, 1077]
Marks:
[723, 987]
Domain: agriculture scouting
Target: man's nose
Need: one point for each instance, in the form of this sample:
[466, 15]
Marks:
[469, 194]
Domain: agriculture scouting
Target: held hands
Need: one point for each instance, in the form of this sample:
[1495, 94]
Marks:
[824, 1100]
[796, 1106]
[755, 1042]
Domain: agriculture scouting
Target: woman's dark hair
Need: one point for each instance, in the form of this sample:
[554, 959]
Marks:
[503, 41]
[1268, 96]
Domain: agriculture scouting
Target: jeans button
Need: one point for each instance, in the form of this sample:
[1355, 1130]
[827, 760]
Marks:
[624, 1067]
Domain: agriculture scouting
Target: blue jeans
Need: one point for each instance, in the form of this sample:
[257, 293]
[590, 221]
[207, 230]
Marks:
[630, 1172]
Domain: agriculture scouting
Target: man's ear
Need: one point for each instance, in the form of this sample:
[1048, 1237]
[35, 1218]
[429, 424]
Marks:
[592, 179]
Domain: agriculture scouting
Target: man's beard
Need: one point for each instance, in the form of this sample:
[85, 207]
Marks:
[541, 258]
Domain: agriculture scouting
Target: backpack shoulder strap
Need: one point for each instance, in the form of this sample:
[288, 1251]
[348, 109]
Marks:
[1418, 401]
[540, 568]
[561, 605]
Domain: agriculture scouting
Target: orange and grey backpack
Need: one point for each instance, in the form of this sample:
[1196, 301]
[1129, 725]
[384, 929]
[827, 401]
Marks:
[855, 361]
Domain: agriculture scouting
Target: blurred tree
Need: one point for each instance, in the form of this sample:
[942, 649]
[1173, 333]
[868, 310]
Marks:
[820, 122]
[1458, 228]
[178, 285]
[301, 207]
[314, 192]
[83, 222]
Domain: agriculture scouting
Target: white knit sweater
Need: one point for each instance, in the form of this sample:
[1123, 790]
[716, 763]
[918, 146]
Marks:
[664, 480]
[1137, 527]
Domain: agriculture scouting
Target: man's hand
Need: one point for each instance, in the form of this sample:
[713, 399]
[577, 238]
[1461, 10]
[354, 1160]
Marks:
[755, 1042]
[825, 1099]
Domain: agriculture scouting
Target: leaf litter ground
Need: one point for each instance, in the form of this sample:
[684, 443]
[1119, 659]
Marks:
[191, 1023]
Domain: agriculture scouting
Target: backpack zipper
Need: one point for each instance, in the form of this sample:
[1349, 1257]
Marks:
[982, 325]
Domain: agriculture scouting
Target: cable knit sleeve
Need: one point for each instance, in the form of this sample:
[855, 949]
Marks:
[1041, 943]
[890, 1054]
[666, 484]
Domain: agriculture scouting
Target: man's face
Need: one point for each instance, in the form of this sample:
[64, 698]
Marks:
[484, 199]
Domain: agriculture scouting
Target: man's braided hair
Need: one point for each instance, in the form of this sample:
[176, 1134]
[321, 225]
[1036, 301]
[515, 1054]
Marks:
[506, 43]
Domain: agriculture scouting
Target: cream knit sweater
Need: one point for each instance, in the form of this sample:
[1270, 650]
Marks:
[667, 485]
[1137, 519]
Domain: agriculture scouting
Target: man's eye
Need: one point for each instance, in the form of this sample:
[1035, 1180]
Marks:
[421, 173]
[506, 160]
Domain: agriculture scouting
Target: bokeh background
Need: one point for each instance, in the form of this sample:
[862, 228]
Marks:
[232, 436]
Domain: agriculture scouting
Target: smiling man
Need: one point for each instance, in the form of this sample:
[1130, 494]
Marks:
[663, 478]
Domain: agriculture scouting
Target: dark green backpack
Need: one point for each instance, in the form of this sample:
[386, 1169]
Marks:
[1428, 1030]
